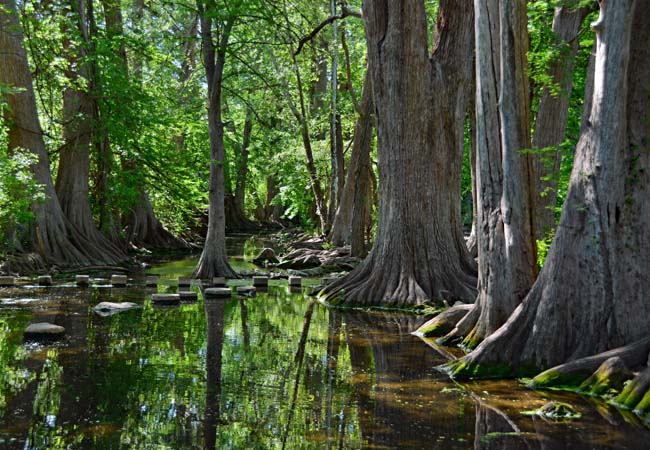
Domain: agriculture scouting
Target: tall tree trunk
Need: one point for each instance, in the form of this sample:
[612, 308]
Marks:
[72, 182]
[590, 295]
[214, 261]
[337, 157]
[341, 233]
[242, 169]
[506, 240]
[472, 239]
[421, 100]
[552, 115]
[53, 236]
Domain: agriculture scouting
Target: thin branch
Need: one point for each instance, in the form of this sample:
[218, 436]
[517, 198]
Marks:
[347, 12]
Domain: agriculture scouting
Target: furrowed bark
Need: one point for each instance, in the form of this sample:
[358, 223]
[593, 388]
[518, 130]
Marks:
[590, 295]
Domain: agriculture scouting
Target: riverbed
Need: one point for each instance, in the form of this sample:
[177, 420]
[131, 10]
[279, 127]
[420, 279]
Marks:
[277, 370]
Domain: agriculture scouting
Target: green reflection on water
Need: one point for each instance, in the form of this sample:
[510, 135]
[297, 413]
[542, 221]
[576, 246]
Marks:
[275, 371]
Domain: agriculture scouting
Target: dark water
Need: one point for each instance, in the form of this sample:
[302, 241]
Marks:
[275, 371]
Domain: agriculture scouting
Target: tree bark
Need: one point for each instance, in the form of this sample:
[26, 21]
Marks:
[552, 115]
[506, 240]
[421, 100]
[72, 182]
[56, 239]
[341, 233]
[590, 295]
[214, 261]
[242, 169]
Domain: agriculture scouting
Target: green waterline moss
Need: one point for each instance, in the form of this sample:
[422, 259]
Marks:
[554, 379]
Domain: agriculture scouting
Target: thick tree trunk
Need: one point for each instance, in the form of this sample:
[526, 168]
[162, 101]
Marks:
[341, 233]
[472, 239]
[506, 240]
[421, 99]
[590, 296]
[364, 195]
[214, 261]
[72, 183]
[552, 115]
[53, 236]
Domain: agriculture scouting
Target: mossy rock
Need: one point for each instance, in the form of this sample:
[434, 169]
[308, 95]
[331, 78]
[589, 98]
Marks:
[555, 411]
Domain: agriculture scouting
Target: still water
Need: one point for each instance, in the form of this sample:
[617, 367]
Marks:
[274, 371]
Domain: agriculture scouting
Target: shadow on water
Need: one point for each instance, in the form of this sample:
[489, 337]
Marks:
[274, 371]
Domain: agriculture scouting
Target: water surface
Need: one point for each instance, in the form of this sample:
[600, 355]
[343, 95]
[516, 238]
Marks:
[275, 371]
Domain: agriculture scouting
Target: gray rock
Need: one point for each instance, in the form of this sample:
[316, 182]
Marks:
[248, 291]
[188, 296]
[119, 280]
[261, 281]
[109, 308]
[165, 299]
[151, 281]
[42, 332]
[295, 281]
[44, 280]
[266, 256]
[82, 280]
[184, 282]
[7, 281]
[218, 292]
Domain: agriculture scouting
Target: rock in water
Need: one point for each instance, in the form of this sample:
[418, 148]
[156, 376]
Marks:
[43, 332]
[82, 280]
[266, 256]
[45, 280]
[262, 282]
[7, 281]
[295, 281]
[151, 281]
[165, 299]
[105, 309]
[119, 280]
[218, 292]
[188, 296]
[248, 291]
[184, 282]
[219, 282]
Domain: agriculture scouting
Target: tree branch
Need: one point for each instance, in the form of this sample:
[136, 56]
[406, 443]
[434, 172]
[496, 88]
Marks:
[347, 12]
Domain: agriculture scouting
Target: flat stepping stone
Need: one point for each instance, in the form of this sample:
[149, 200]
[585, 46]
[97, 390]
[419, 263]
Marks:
[119, 280]
[165, 299]
[82, 280]
[188, 296]
[220, 292]
[105, 309]
[43, 332]
[151, 281]
[219, 282]
[7, 281]
[246, 290]
[184, 282]
[44, 280]
[261, 282]
[295, 281]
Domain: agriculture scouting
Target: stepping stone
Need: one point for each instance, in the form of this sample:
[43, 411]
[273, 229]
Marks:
[119, 280]
[43, 332]
[295, 281]
[151, 281]
[219, 282]
[188, 296]
[7, 281]
[165, 299]
[220, 292]
[248, 291]
[44, 280]
[261, 282]
[105, 309]
[82, 280]
[184, 282]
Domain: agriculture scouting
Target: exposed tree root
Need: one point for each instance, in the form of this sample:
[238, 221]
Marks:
[444, 322]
